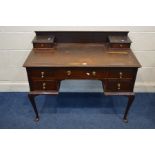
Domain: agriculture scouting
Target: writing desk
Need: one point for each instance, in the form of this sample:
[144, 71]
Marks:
[61, 55]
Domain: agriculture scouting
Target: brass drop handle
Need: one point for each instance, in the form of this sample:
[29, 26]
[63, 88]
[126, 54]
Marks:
[88, 73]
[118, 86]
[120, 75]
[69, 73]
[42, 74]
[44, 86]
[121, 45]
[94, 73]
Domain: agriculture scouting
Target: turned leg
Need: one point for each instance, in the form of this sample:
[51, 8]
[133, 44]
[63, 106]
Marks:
[32, 100]
[130, 101]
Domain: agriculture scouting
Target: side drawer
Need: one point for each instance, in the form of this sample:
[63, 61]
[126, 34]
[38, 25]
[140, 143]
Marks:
[118, 86]
[40, 73]
[122, 73]
[45, 85]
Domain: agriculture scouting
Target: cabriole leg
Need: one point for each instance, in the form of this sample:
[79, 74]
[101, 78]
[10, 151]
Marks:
[130, 101]
[32, 100]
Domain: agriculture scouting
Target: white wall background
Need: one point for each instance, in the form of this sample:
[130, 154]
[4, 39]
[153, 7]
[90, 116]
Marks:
[15, 45]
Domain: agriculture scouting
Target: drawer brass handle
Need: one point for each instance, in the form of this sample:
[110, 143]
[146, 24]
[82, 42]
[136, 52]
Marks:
[120, 75]
[88, 73]
[94, 73]
[44, 86]
[121, 45]
[42, 45]
[118, 86]
[42, 74]
[69, 73]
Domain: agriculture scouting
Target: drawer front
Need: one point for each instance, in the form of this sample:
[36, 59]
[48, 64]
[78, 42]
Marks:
[80, 74]
[118, 86]
[119, 45]
[42, 45]
[45, 85]
[41, 74]
[121, 74]
[50, 74]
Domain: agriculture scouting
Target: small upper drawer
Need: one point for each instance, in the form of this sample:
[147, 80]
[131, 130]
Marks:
[119, 42]
[119, 45]
[43, 45]
[43, 41]
[121, 73]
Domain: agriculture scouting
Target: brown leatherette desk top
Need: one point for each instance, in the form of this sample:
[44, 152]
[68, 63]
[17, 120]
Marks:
[81, 55]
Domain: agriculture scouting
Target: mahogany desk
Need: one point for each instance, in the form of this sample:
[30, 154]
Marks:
[61, 55]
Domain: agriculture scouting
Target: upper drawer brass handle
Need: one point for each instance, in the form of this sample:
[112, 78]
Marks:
[94, 73]
[88, 73]
[120, 75]
[42, 74]
[69, 73]
[121, 45]
[118, 86]
[44, 86]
